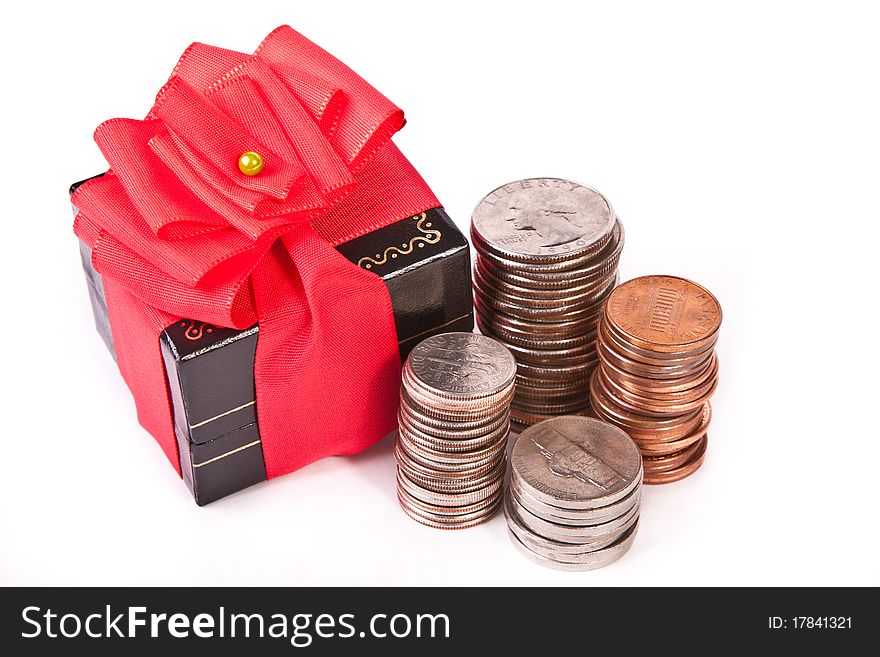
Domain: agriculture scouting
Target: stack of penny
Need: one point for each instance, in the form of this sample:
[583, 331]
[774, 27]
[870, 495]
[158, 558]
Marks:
[454, 420]
[547, 255]
[575, 491]
[658, 369]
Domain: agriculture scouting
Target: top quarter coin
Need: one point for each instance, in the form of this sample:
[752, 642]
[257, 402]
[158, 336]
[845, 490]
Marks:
[542, 220]
[576, 462]
[462, 365]
[664, 313]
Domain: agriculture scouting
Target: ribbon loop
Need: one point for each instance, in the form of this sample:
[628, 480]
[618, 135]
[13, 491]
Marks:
[177, 231]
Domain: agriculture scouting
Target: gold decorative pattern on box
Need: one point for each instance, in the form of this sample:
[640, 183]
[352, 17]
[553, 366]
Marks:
[195, 330]
[428, 236]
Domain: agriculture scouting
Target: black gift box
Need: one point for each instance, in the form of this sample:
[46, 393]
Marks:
[424, 261]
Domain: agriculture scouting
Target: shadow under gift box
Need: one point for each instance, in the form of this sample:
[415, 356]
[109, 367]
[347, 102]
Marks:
[424, 261]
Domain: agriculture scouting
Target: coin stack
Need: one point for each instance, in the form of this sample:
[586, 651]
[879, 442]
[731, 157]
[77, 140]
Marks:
[547, 254]
[453, 422]
[658, 369]
[575, 491]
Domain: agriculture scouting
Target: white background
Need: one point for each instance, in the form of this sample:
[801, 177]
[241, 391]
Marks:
[740, 148]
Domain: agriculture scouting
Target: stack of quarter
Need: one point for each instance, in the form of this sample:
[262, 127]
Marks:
[547, 254]
[575, 491]
[453, 422]
[658, 369]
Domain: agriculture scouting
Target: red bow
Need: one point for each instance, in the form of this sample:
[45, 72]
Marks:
[177, 230]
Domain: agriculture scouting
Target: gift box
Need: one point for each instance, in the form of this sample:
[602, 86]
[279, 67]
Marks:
[235, 402]
[425, 262]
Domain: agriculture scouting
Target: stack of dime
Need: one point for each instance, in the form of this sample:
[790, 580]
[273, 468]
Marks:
[547, 254]
[453, 422]
[658, 369]
[575, 490]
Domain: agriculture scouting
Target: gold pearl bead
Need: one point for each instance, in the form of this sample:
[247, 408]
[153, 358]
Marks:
[250, 163]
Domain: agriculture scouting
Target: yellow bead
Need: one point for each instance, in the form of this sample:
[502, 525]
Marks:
[250, 163]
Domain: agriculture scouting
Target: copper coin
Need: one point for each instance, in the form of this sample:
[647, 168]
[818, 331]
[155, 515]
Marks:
[619, 343]
[660, 464]
[654, 445]
[664, 313]
[682, 471]
[645, 386]
[630, 352]
[647, 371]
[654, 406]
[627, 419]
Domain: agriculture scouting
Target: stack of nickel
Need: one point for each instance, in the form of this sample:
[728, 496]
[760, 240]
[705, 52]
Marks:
[658, 369]
[547, 254]
[453, 424]
[575, 490]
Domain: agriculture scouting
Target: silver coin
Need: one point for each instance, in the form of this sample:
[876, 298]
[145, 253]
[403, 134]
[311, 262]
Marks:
[559, 312]
[548, 406]
[459, 521]
[513, 336]
[520, 419]
[453, 461]
[541, 278]
[519, 522]
[449, 482]
[596, 536]
[567, 373]
[448, 444]
[431, 424]
[495, 279]
[587, 561]
[567, 267]
[446, 511]
[453, 425]
[462, 365]
[570, 356]
[536, 397]
[563, 516]
[422, 469]
[474, 414]
[576, 462]
[542, 219]
[448, 499]
[587, 296]
[543, 281]
[540, 330]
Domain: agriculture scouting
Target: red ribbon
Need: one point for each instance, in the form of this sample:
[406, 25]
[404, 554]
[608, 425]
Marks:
[176, 230]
